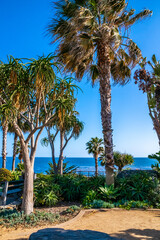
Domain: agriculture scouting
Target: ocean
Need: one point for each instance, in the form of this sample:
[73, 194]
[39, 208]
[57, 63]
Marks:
[85, 165]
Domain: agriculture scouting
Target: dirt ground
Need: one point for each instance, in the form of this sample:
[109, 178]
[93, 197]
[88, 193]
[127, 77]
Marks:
[129, 225]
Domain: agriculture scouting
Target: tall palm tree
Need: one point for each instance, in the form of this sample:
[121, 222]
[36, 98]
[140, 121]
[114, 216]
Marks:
[94, 146]
[93, 38]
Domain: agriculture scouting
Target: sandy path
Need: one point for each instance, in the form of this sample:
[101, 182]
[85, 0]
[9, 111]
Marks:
[130, 225]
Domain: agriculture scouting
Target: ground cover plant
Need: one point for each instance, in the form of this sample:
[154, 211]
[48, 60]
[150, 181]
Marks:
[13, 218]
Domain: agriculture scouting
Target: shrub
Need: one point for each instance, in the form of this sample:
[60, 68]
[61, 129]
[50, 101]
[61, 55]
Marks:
[73, 186]
[45, 192]
[5, 175]
[68, 187]
[108, 193]
[89, 198]
[20, 167]
[15, 175]
[13, 218]
[73, 209]
[66, 169]
[139, 187]
[101, 204]
[133, 204]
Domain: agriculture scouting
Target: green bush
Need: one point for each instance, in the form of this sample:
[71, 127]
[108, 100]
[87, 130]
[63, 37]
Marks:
[89, 198]
[73, 186]
[73, 209]
[20, 167]
[16, 175]
[108, 193]
[101, 204]
[70, 187]
[139, 187]
[46, 193]
[5, 175]
[13, 218]
[133, 204]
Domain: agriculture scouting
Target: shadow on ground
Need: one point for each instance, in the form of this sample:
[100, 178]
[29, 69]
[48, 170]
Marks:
[134, 234]
[61, 234]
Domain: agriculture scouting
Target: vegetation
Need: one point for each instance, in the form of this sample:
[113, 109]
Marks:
[66, 169]
[120, 159]
[5, 175]
[94, 146]
[136, 190]
[13, 218]
[156, 166]
[92, 39]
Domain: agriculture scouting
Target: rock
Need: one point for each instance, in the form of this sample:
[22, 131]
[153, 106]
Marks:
[61, 234]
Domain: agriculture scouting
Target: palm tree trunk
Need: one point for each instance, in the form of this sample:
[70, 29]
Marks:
[96, 165]
[106, 116]
[4, 145]
[14, 151]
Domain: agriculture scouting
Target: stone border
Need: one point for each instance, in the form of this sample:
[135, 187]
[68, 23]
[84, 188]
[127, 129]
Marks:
[79, 215]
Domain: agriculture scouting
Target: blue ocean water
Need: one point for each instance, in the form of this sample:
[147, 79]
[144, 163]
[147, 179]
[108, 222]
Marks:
[83, 164]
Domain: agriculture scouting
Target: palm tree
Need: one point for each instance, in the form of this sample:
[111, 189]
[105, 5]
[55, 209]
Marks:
[121, 160]
[93, 38]
[94, 146]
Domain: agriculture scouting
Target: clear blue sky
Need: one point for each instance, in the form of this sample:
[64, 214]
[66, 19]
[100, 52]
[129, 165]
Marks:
[22, 28]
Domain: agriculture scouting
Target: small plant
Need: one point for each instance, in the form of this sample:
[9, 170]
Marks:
[108, 192]
[66, 169]
[50, 199]
[138, 187]
[101, 204]
[5, 175]
[13, 218]
[133, 204]
[89, 198]
[73, 209]
[15, 175]
[46, 192]
[20, 167]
